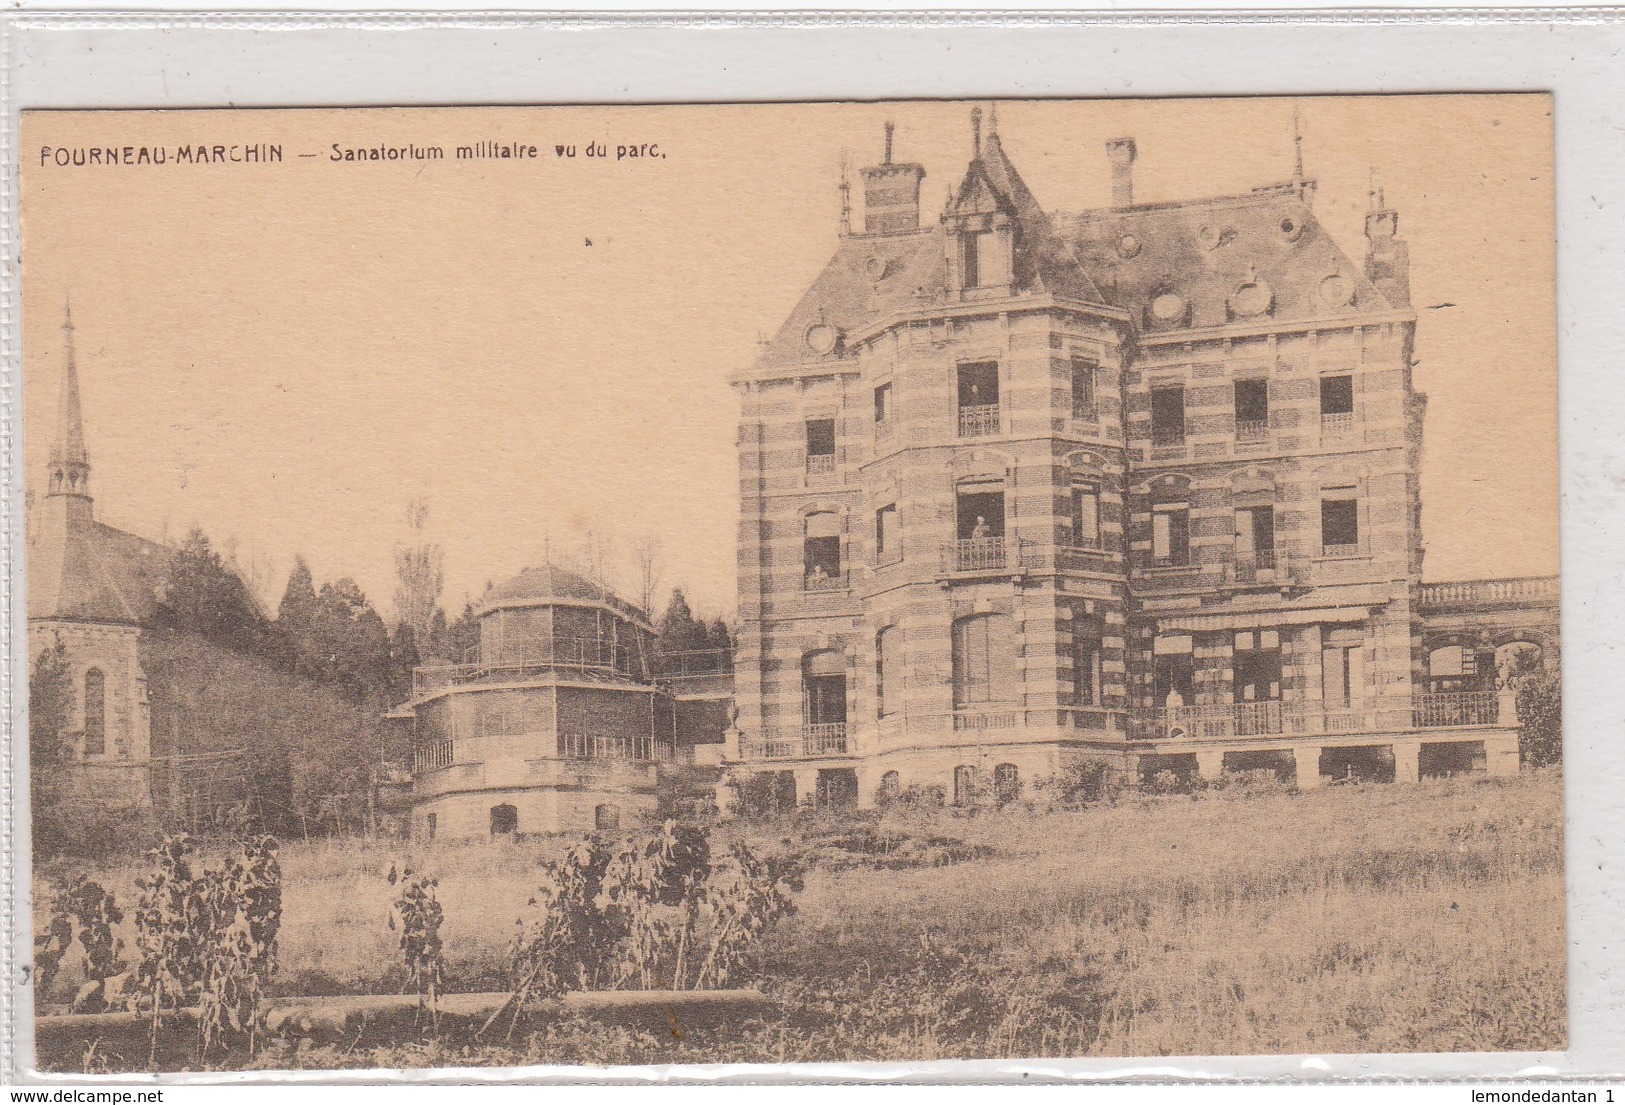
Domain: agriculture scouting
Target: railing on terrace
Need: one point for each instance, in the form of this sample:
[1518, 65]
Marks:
[529, 657]
[823, 739]
[1455, 708]
[824, 581]
[1337, 425]
[1165, 436]
[820, 464]
[694, 663]
[980, 554]
[1488, 591]
[1251, 431]
[597, 746]
[979, 421]
[975, 719]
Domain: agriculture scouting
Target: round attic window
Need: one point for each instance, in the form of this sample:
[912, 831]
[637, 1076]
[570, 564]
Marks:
[1168, 307]
[1212, 237]
[1252, 298]
[875, 268]
[1128, 246]
[1291, 228]
[822, 338]
[1335, 290]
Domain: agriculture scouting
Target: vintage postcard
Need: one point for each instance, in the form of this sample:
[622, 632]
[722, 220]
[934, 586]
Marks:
[792, 582]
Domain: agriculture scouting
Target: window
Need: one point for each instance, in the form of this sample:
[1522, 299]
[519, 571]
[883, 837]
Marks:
[1336, 395]
[891, 785]
[1252, 410]
[430, 824]
[978, 398]
[1083, 389]
[606, 817]
[504, 820]
[883, 404]
[1086, 672]
[823, 685]
[1342, 675]
[1170, 535]
[1255, 539]
[888, 672]
[821, 446]
[888, 542]
[1339, 522]
[964, 785]
[1006, 783]
[985, 264]
[984, 659]
[1085, 516]
[1257, 666]
[1173, 680]
[821, 551]
[95, 712]
[1168, 415]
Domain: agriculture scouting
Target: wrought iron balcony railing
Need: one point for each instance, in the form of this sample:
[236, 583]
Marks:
[530, 657]
[1269, 567]
[821, 739]
[598, 746]
[1337, 425]
[819, 580]
[820, 464]
[981, 554]
[1251, 431]
[979, 421]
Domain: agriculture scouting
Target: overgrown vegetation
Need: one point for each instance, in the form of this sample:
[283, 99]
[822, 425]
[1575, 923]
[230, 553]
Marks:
[1246, 918]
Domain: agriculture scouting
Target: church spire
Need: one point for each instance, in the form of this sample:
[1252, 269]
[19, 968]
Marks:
[70, 464]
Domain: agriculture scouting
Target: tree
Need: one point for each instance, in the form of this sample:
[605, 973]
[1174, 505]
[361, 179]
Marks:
[353, 641]
[647, 560]
[50, 714]
[201, 595]
[679, 630]
[296, 621]
[420, 572]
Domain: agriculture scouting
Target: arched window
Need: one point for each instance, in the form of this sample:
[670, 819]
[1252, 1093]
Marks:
[984, 647]
[1006, 783]
[891, 785]
[888, 671]
[964, 785]
[95, 712]
[607, 817]
[504, 820]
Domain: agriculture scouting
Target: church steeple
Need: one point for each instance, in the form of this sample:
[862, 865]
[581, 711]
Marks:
[70, 464]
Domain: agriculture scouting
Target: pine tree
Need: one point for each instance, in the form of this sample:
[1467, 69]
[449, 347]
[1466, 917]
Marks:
[679, 630]
[201, 595]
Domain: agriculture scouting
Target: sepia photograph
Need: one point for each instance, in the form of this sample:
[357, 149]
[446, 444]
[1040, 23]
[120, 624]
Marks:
[792, 583]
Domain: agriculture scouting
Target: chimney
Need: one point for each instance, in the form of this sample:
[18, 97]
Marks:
[891, 194]
[1387, 256]
[1120, 153]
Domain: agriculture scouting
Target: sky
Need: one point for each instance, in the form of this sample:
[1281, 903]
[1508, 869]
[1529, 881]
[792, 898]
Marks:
[287, 354]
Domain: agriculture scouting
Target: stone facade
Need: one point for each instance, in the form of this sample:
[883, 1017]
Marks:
[1138, 484]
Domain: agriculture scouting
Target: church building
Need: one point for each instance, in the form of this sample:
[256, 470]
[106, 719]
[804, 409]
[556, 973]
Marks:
[92, 587]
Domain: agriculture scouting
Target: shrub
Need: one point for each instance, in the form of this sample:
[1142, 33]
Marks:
[208, 938]
[87, 910]
[1080, 783]
[416, 915]
[1540, 708]
[916, 798]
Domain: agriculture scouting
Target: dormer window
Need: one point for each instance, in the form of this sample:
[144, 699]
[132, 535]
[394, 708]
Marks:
[985, 258]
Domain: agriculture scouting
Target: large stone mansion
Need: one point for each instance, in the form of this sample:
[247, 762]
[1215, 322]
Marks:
[1139, 484]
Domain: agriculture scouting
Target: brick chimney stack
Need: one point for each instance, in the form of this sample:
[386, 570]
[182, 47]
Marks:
[1120, 152]
[891, 194]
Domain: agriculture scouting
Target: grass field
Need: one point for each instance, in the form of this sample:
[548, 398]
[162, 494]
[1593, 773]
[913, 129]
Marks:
[1351, 919]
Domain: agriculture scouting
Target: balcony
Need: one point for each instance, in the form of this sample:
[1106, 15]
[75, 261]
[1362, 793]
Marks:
[1337, 425]
[823, 739]
[820, 465]
[979, 421]
[1269, 568]
[694, 663]
[1166, 437]
[1489, 592]
[1452, 708]
[989, 718]
[581, 746]
[821, 580]
[883, 429]
[527, 659]
[1343, 551]
[1070, 558]
[1252, 432]
[984, 554]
